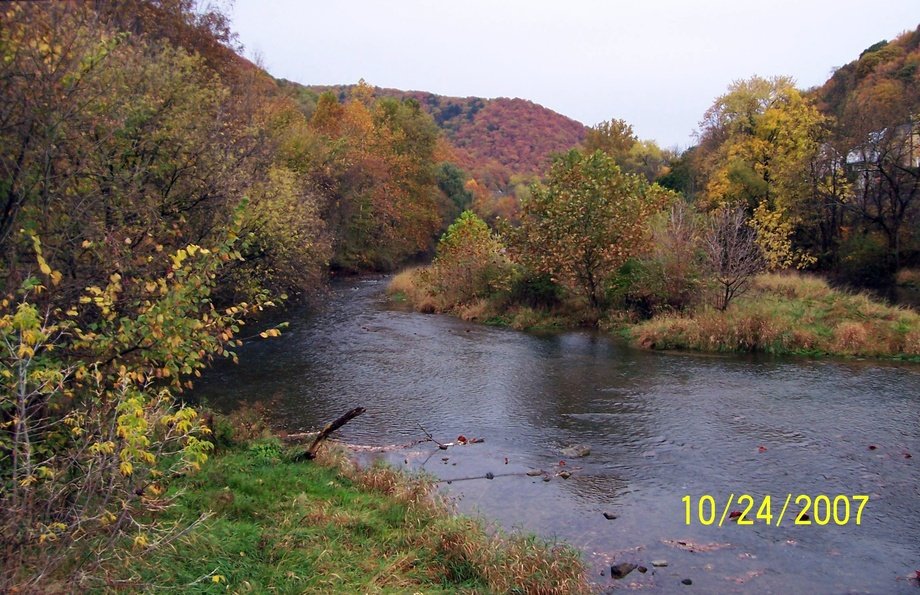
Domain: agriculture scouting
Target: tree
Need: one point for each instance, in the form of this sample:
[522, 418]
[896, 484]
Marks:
[451, 181]
[585, 222]
[379, 177]
[614, 137]
[92, 427]
[881, 127]
[732, 253]
[759, 141]
[647, 159]
[669, 275]
[470, 261]
[112, 145]
[886, 180]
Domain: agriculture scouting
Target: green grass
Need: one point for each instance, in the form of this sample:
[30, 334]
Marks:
[282, 526]
[790, 314]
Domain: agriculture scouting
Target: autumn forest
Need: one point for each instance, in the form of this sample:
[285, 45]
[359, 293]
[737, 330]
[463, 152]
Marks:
[158, 192]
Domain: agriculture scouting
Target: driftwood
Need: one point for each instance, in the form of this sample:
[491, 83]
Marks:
[331, 427]
[431, 438]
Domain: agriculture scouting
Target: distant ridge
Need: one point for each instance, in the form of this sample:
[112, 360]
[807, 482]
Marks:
[492, 138]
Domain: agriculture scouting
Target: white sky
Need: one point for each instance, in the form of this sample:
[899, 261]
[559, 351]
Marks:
[658, 64]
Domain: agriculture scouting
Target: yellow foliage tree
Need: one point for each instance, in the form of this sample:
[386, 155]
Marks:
[759, 141]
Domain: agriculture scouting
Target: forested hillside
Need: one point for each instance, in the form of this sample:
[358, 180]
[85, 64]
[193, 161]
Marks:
[493, 139]
[884, 76]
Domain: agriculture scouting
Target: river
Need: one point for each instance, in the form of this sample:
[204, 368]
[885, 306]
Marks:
[659, 426]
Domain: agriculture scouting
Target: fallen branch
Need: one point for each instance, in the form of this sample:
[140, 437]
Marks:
[430, 437]
[486, 476]
[331, 427]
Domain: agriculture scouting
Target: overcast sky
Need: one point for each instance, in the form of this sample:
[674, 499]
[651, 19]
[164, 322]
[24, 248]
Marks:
[658, 64]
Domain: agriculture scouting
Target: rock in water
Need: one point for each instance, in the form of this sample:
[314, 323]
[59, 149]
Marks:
[534, 473]
[686, 581]
[579, 450]
[659, 563]
[622, 569]
[489, 475]
[609, 516]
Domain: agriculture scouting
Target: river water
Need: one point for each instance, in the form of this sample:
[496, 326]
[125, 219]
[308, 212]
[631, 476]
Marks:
[659, 427]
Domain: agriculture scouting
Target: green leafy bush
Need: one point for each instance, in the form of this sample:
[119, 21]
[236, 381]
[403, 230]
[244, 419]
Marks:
[470, 262]
[91, 430]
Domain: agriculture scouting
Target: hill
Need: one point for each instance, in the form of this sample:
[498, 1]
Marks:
[492, 138]
[883, 80]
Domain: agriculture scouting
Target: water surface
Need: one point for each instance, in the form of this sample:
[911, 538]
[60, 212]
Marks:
[659, 427]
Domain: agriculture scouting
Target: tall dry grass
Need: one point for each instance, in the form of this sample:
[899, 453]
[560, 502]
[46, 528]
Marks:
[414, 286]
[791, 313]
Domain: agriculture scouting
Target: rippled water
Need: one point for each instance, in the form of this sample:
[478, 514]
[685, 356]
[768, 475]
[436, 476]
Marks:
[659, 427]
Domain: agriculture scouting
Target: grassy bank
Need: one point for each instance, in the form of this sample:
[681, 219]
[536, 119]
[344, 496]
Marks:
[328, 526]
[790, 314]
[410, 287]
[781, 314]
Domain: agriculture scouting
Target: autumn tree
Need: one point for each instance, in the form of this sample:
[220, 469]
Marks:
[758, 141]
[648, 160]
[379, 177]
[584, 223]
[670, 274]
[614, 137]
[92, 428]
[470, 261]
[113, 145]
[879, 125]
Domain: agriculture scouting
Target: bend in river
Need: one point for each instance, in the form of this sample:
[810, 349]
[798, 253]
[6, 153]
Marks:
[659, 427]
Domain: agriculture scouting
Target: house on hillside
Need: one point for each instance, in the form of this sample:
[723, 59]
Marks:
[900, 145]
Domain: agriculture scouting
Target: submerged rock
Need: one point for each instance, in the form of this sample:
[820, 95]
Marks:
[686, 581]
[622, 569]
[576, 451]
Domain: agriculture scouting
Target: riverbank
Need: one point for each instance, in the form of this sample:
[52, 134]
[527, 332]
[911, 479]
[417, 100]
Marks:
[330, 526]
[781, 314]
